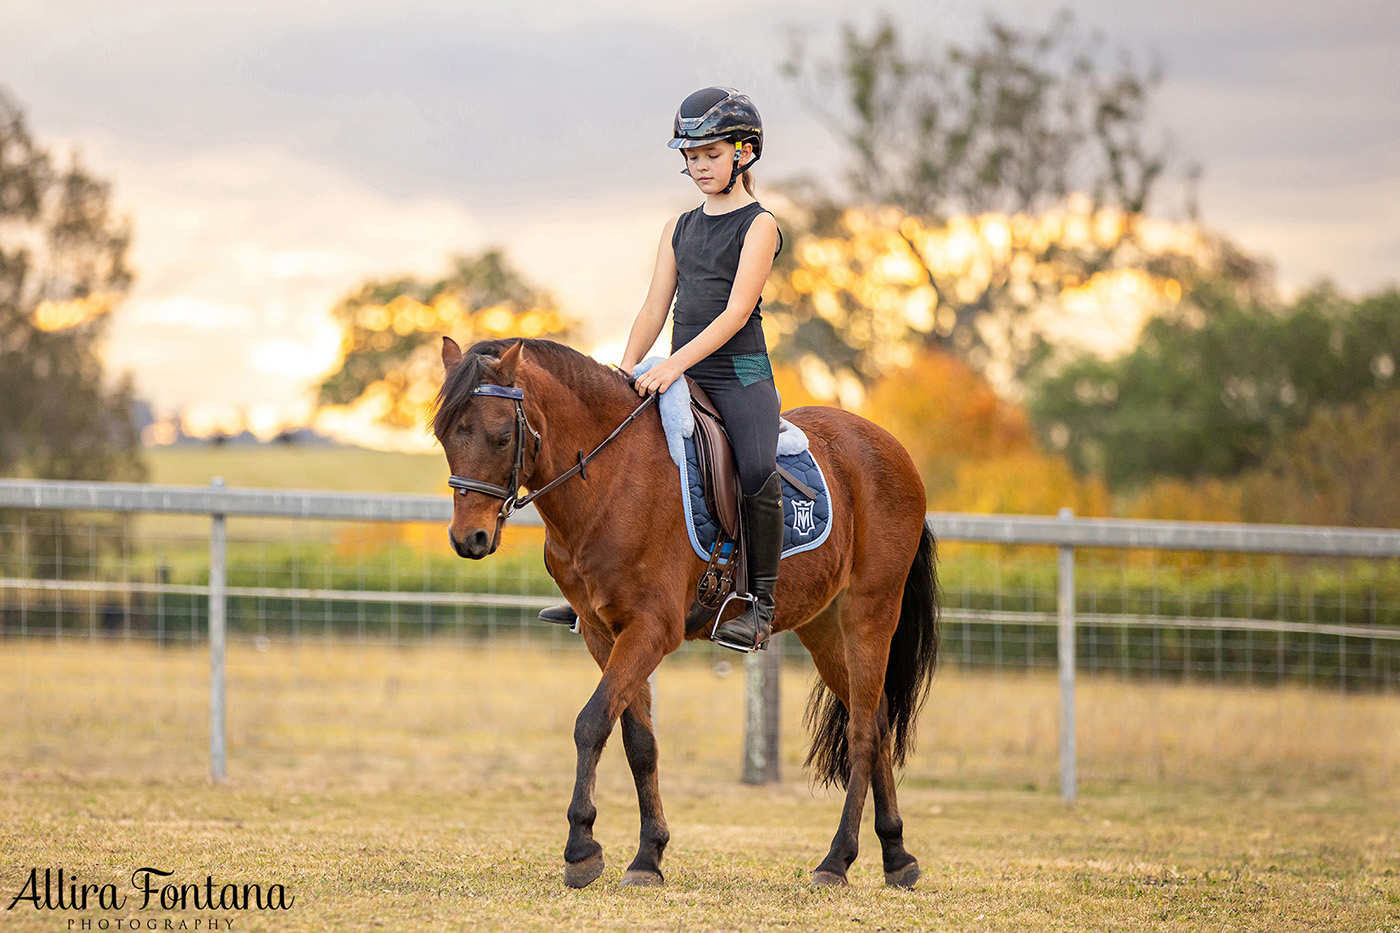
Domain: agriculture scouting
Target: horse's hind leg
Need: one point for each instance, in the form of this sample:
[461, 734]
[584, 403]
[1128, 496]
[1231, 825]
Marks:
[866, 626]
[901, 868]
[639, 740]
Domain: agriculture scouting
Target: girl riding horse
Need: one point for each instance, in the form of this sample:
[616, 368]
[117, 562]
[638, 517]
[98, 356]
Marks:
[516, 414]
[713, 261]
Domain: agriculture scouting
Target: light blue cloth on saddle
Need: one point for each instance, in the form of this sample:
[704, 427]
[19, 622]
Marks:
[807, 522]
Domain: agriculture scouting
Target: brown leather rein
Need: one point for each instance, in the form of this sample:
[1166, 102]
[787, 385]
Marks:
[511, 499]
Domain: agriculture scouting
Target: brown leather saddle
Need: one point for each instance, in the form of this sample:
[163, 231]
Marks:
[717, 469]
[726, 573]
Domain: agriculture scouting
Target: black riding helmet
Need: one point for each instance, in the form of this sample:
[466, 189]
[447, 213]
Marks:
[716, 114]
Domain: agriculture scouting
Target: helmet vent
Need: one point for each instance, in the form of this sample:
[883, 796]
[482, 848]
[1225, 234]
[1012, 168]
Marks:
[702, 101]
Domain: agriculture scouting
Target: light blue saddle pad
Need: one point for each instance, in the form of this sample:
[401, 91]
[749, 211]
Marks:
[806, 522]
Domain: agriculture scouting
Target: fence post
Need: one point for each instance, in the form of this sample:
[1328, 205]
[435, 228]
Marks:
[218, 563]
[762, 670]
[1068, 779]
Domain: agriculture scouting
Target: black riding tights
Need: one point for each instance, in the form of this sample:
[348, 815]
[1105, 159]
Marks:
[750, 414]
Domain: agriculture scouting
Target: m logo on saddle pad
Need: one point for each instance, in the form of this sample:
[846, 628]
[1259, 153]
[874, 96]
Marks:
[802, 522]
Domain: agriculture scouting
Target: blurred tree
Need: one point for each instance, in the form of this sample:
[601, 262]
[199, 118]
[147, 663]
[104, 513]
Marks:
[1213, 395]
[390, 352]
[946, 414]
[1338, 470]
[1025, 482]
[792, 391]
[974, 449]
[62, 272]
[1168, 498]
[1011, 125]
[983, 183]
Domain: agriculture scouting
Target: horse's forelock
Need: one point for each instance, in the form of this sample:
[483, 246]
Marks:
[457, 388]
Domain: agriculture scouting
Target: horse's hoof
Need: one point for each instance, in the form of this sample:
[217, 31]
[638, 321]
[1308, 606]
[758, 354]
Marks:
[636, 878]
[828, 879]
[582, 874]
[904, 877]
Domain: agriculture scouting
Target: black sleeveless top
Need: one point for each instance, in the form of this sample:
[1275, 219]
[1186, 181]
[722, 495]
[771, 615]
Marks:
[707, 259]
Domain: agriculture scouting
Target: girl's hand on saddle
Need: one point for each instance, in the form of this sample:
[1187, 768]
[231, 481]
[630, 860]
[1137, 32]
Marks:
[659, 377]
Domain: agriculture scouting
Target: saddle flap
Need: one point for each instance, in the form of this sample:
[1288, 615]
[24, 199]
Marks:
[716, 461]
[718, 472]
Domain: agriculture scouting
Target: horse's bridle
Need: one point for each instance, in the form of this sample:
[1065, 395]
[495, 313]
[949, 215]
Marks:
[509, 495]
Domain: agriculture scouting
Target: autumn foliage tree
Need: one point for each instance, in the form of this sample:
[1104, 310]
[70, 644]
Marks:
[945, 413]
[976, 450]
[1001, 206]
[390, 364]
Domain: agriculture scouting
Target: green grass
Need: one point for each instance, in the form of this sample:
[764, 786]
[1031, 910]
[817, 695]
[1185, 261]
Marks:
[279, 466]
[424, 787]
[349, 469]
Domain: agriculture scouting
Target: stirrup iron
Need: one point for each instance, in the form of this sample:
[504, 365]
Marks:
[744, 647]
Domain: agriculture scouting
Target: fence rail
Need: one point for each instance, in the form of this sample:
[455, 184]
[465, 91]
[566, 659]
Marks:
[1065, 533]
[948, 526]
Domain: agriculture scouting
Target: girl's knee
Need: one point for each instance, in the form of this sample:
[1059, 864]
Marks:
[752, 480]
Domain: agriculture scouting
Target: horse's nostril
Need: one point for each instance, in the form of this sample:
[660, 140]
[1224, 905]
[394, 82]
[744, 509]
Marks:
[476, 546]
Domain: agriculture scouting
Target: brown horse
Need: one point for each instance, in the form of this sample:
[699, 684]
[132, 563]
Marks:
[521, 413]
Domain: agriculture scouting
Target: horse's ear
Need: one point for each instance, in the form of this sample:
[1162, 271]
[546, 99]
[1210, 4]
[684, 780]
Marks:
[505, 369]
[451, 354]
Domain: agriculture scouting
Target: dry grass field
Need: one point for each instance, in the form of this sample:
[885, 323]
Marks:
[424, 787]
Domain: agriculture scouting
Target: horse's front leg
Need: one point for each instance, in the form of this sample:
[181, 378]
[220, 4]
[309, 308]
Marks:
[639, 739]
[634, 655]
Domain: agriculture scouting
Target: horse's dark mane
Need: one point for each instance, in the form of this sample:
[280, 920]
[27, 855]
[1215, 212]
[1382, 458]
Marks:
[589, 379]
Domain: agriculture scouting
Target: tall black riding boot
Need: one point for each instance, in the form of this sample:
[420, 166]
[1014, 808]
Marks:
[763, 524]
[560, 615]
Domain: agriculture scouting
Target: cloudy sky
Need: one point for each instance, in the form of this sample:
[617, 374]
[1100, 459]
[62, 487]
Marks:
[275, 154]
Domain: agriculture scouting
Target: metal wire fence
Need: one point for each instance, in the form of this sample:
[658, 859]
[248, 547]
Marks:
[1260, 663]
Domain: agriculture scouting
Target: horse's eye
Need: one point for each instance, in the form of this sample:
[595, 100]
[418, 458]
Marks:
[503, 442]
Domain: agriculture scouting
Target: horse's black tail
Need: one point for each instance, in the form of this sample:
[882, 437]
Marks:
[908, 673]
